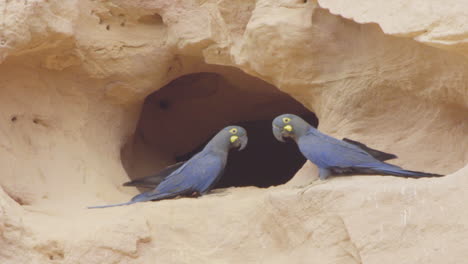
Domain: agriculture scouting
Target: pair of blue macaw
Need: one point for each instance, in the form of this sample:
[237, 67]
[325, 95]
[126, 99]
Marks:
[332, 156]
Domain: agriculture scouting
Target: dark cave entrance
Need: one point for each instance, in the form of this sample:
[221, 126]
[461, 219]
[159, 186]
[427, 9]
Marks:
[177, 121]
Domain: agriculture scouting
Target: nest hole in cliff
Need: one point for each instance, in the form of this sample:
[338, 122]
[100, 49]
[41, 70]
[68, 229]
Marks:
[179, 119]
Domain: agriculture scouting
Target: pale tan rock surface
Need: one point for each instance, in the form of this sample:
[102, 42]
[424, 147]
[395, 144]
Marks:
[74, 75]
[437, 23]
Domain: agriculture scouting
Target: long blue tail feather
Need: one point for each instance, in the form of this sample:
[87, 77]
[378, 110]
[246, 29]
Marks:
[111, 205]
[389, 169]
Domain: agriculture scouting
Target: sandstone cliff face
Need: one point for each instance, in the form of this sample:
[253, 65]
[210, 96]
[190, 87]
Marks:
[74, 76]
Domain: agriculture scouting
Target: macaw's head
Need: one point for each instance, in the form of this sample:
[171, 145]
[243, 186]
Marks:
[236, 136]
[289, 126]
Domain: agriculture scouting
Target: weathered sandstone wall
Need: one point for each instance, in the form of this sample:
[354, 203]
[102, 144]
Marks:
[74, 76]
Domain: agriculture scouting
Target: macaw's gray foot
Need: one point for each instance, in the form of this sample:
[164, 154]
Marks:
[306, 188]
[324, 173]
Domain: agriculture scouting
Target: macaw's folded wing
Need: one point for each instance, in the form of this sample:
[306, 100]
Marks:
[379, 155]
[154, 180]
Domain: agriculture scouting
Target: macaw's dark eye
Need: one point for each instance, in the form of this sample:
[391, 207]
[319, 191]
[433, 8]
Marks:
[233, 130]
[286, 120]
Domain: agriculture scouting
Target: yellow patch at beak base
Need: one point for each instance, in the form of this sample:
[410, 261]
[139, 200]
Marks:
[234, 138]
[288, 128]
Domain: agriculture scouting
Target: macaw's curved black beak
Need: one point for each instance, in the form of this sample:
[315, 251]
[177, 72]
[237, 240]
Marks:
[242, 142]
[239, 142]
[278, 133]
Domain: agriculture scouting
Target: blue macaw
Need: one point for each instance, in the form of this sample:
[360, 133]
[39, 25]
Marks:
[198, 175]
[333, 156]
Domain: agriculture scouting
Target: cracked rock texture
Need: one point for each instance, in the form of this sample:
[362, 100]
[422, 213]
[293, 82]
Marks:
[74, 75]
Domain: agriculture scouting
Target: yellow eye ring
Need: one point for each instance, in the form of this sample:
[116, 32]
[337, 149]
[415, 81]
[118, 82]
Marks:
[286, 120]
[233, 130]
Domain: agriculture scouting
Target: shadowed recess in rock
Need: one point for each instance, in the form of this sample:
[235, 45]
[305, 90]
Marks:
[177, 121]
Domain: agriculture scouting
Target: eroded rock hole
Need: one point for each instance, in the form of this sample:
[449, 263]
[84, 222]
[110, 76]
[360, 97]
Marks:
[177, 121]
[154, 19]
